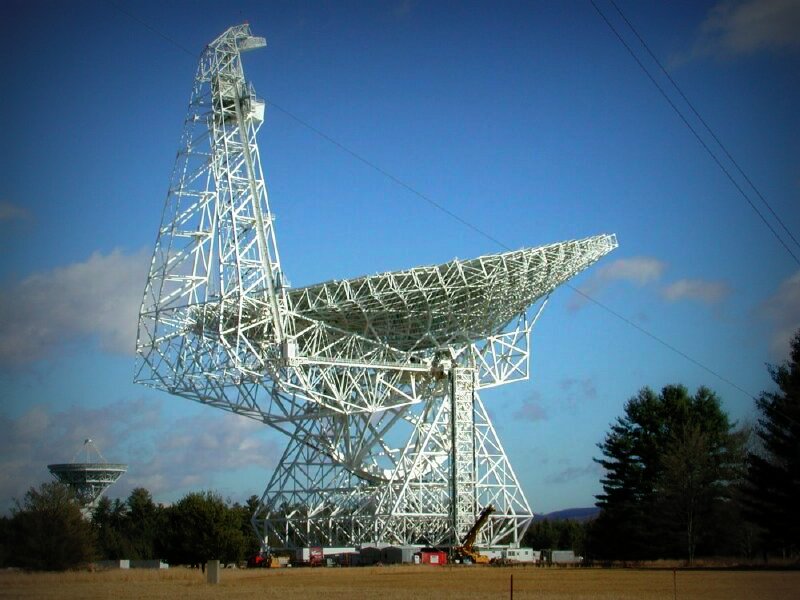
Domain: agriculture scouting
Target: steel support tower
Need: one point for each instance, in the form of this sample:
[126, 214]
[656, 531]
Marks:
[375, 380]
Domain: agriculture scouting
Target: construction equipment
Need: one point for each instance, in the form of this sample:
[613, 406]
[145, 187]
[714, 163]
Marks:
[466, 551]
[267, 561]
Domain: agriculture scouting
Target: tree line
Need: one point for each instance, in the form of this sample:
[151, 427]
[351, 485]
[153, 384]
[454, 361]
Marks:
[680, 480]
[47, 530]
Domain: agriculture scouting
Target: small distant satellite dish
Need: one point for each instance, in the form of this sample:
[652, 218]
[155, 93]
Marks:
[88, 478]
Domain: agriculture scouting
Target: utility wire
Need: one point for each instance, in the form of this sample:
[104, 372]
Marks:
[694, 131]
[147, 26]
[652, 336]
[388, 175]
[463, 221]
[504, 246]
[700, 118]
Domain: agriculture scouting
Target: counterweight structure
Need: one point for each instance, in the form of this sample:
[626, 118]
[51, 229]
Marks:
[88, 478]
[375, 380]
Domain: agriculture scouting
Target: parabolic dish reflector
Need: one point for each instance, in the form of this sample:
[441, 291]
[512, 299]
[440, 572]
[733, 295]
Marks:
[375, 380]
[460, 301]
[88, 479]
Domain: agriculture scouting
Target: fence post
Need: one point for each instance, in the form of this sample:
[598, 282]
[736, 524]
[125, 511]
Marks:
[674, 584]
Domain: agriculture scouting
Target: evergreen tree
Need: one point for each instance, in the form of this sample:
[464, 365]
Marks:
[5, 541]
[774, 473]
[542, 534]
[110, 520]
[669, 463]
[143, 525]
[244, 514]
[564, 534]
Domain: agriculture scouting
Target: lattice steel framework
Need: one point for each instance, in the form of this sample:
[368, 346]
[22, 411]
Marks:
[375, 380]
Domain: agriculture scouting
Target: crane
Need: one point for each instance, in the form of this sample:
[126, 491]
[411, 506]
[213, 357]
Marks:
[467, 548]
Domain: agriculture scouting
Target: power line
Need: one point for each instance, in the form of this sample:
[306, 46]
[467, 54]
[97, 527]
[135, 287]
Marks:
[700, 118]
[694, 131]
[464, 222]
[506, 247]
[388, 175]
[147, 26]
[652, 336]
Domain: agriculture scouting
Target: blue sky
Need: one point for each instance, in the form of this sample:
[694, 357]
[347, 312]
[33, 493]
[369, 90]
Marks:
[529, 120]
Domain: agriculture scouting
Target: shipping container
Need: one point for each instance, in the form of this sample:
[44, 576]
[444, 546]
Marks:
[392, 555]
[349, 559]
[315, 556]
[148, 564]
[370, 555]
[433, 557]
[114, 564]
[565, 557]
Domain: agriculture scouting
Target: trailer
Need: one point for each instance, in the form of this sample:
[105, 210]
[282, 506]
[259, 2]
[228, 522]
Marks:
[433, 557]
[560, 557]
[522, 555]
[316, 556]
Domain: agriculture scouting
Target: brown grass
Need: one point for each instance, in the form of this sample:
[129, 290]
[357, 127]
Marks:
[389, 583]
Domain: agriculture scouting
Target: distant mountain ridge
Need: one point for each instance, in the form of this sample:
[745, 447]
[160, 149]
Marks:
[574, 514]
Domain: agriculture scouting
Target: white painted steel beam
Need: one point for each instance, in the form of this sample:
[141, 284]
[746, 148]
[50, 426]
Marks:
[375, 380]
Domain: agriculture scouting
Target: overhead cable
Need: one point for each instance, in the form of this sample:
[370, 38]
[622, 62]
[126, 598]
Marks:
[703, 121]
[710, 152]
[463, 221]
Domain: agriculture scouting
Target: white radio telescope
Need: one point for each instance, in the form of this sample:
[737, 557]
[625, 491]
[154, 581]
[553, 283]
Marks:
[374, 380]
[89, 477]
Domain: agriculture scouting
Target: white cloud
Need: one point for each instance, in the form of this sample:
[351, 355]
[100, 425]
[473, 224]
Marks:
[98, 299]
[531, 409]
[196, 449]
[40, 437]
[12, 212]
[638, 270]
[708, 292]
[749, 26]
[783, 309]
[571, 473]
[168, 456]
[583, 387]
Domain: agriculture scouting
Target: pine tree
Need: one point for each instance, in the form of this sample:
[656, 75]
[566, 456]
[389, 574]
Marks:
[774, 473]
[668, 462]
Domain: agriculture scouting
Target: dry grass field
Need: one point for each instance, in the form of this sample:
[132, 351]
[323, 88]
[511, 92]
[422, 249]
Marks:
[389, 583]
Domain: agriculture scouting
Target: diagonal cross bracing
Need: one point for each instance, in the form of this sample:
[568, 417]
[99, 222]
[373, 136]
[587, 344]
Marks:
[375, 380]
